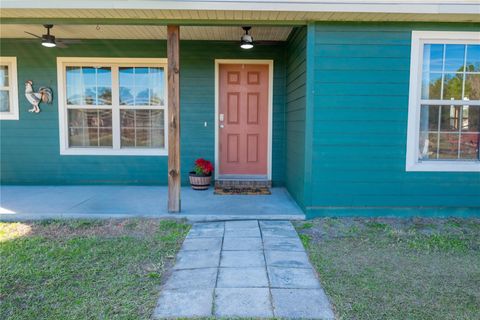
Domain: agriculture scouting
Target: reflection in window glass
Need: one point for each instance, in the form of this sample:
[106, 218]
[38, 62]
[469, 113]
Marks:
[472, 87]
[4, 101]
[452, 86]
[449, 132]
[142, 128]
[3, 76]
[432, 86]
[443, 76]
[433, 58]
[473, 58]
[89, 86]
[89, 128]
[454, 57]
[141, 86]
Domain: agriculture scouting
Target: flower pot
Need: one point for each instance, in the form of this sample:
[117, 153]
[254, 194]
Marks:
[199, 182]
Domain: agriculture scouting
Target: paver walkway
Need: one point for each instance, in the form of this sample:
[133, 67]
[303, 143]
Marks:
[243, 269]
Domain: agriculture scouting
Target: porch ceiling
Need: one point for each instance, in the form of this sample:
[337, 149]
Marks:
[232, 12]
[223, 33]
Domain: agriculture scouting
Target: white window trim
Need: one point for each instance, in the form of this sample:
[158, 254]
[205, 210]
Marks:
[416, 57]
[62, 62]
[13, 114]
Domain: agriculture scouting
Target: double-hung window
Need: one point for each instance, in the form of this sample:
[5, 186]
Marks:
[8, 89]
[444, 103]
[112, 106]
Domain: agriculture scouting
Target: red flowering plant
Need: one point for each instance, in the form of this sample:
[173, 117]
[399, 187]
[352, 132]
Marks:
[203, 167]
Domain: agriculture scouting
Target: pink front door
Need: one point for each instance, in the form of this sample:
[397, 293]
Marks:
[243, 119]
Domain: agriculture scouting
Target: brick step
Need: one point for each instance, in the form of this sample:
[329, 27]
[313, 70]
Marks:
[239, 184]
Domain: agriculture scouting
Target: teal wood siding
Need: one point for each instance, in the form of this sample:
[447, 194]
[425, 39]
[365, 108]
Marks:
[361, 84]
[30, 146]
[295, 114]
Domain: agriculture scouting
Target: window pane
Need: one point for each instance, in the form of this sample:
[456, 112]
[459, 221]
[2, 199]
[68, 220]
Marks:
[142, 86]
[432, 57]
[469, 144]
[142, 81]
[471, 119]
[127, 86]
[473, 58]
[450, 118]
[428, 132]
[454, 57]
[74, 86]
[4, 101]
[472, 87]
[89, 86]
[431, 86]
[3, 76]
[89, 128]
[452, 86]
[142, 128]
[448, 146]
[429, 118]
[428, 146]
[157, 86]
[142, 119]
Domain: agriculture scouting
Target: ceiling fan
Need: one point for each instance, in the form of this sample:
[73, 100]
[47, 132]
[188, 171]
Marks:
[49, 41]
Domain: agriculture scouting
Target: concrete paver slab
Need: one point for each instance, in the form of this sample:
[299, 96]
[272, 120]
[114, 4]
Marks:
[242, 224]
[234, 259]
[241, 302]
[236, 244]
[283, 244]
[184, 303]
[287, 259]
[292, 278]
[243, 233]
[197, 259]
[301, 303]
[193, 244]
[192, 278]
[242, 278]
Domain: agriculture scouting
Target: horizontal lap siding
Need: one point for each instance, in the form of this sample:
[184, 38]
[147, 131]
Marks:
[360, 127]
[30, 146]
[295, 115]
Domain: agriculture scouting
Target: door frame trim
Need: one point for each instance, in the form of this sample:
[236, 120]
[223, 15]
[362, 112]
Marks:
[268, 62]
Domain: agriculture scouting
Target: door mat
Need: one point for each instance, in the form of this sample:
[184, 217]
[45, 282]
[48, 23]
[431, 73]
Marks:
[242, 191]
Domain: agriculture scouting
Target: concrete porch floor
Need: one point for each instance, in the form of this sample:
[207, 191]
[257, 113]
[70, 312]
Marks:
[52, 202]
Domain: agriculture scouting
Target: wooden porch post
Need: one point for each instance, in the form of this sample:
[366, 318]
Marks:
[174, 182]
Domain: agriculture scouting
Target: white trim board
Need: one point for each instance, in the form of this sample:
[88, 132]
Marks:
[218, 62]
[374, 6]
[11, 63]
[115, 150]
[419, 38]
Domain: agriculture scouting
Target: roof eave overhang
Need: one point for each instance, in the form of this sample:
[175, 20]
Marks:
[364, 6]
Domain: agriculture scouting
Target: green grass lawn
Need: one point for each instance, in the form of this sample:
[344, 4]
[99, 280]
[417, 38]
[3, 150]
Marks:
[85, 269]
[397, 269]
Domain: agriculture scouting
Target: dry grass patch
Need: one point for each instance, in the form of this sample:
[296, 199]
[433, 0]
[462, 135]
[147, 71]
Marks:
[397, 268]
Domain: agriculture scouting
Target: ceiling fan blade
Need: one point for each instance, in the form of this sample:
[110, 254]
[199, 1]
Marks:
[69, 41]
[61, 44]
[33, 34]
[267, 42]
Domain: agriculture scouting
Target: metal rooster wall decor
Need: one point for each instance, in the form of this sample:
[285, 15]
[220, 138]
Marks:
[44, 95]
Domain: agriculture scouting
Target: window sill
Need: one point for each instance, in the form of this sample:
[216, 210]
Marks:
[444, 166]
[8, 116]
[113, 152]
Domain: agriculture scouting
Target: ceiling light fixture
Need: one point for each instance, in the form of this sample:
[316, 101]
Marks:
[47, 39]
[246, 42]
